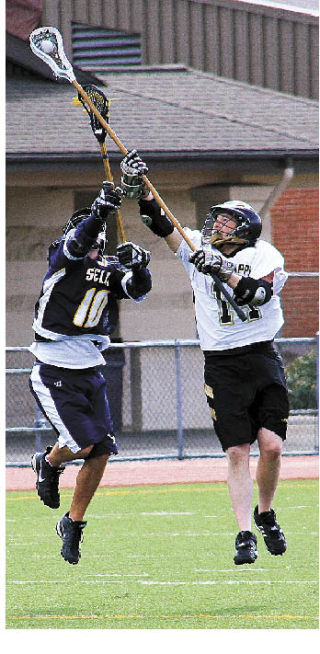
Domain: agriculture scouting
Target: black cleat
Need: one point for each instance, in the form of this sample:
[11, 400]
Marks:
[272, 533]
[70, 531]
[47, 483]
[246, 548]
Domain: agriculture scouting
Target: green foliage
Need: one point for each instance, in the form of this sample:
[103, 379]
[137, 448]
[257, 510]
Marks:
[302, 381]
[161, 557]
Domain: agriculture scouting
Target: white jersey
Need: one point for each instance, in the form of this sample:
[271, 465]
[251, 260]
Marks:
[219, 327]
[83, 351]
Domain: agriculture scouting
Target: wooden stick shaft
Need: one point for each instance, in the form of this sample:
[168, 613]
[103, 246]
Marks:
[102, 121]
[157, 197]
[110, 179]
[124, 151]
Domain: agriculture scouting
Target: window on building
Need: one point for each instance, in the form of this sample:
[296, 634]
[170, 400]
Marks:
[97, 48]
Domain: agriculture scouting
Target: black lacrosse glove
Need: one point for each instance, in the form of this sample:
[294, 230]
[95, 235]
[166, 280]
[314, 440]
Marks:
[108, 201]
[132, 256]
[132, 168]
[212, 263]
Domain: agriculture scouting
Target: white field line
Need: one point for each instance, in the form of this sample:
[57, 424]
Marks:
[309, 506]
[229, 582]
[79, 581]
[232, 570]
[100, 574]
[166, 513]
[222, 583]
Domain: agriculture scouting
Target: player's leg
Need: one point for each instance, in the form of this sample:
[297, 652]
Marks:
[223, 383]
[77, 407]
[87, 482]
[70, 527]
[60, 455]
[240, 484]
[268, 468]
[267, 475]
[89, 476]
[53, 390]
[48, 467]
[273, 416]
[240, 489]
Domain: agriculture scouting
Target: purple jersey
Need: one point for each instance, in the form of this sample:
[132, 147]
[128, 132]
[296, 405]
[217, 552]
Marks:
[79, 295]
[77, 309]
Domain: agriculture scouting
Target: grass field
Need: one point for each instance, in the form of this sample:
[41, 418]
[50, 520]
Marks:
[161, 557]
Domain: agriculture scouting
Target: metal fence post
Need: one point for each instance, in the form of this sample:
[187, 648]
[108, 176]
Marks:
[39, 423]
[177, 355]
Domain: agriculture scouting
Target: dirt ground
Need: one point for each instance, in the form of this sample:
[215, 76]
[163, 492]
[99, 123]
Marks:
[138, 473]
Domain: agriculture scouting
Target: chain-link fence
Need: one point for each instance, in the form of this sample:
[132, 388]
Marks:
[156, 396]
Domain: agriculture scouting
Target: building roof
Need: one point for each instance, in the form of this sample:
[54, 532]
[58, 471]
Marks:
[166, 111]
[19, 55]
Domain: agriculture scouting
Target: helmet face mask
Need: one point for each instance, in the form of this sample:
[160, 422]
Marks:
[76, 218]
[238, 224]
[101, 242]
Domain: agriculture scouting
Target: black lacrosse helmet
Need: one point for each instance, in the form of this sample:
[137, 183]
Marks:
[76, 218]
[246, 232]
[80, 215]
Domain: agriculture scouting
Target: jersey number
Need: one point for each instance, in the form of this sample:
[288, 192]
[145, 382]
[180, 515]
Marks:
[226, 315]
[90, 309]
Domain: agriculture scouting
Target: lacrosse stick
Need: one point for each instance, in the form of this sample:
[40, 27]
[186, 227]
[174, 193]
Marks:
[46, 43]
[102, 103]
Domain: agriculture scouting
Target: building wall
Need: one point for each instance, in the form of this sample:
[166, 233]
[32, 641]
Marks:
[265, 46]
[295, 231]
[34, 219]
[39, 205]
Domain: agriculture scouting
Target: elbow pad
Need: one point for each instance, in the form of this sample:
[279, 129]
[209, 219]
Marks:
[79, 246]
[253, 291]
[84, 236]
[154, 218]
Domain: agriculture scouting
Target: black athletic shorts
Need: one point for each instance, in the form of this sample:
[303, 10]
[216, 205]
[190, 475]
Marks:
[246, 390]
[75, 403]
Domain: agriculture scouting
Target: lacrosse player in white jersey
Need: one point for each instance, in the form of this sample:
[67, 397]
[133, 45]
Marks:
[244, 377]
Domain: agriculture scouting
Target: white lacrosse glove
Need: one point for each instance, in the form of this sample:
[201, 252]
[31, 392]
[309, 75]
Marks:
[132, 256]
[212, 263]
[108, 201]
[132, 168]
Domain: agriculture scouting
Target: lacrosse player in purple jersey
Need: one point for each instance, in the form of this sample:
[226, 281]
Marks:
[75, 314]
[244, 377]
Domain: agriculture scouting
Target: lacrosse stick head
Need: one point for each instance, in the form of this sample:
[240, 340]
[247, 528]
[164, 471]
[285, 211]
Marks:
[46, 43]
[101, 103]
